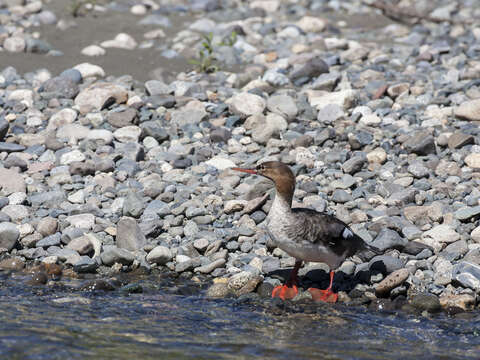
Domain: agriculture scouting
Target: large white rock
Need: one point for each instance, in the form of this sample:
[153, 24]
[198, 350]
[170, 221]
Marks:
[378, 155]
[469, 110]
[23, 95]
[121, 41]
[100, 134]
[72, 132]
[63, 117]
[14, 44]
[268, 5]
[84, 221]
[72, 156]
[128, 134]
[11, 182]
[93, 50]
[311, 24]
[89, 70]
[475, 234]
[98, 95]
[473, 160]
[443, 234]
[246, 104]
[343, 98]
[220, 163]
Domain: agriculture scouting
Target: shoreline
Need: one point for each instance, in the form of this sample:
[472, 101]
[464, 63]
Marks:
[102, 170]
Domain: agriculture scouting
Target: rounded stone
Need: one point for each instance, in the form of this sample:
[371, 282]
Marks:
[473, 160]
[9, 235]
[14, 44]
[159, 255]
[93, 50]
[428, 302]
[246, 104]
[469, 110]
[47, 226]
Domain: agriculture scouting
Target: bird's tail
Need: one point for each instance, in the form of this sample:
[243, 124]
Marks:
[357, 243]
[372, 248]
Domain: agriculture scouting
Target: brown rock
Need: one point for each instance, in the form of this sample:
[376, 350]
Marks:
[47, 226]
[391, 281]
[122, 118]
[218, 290]
[397, 89]
[462, 301]
[82, 168]
[81, 244]
[469, 110]
[420, 143]
[38, 278]
[235, 205]
[243, 283]
[421, 215]
[416, 214]
[458, 140]
[54, 270]
[448, 168]
[14, 263]
[31, 240]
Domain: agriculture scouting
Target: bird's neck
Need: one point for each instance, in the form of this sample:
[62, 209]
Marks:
[285, 187]
[282, 204]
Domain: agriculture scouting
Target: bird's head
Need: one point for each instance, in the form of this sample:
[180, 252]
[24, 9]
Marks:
[276, 171]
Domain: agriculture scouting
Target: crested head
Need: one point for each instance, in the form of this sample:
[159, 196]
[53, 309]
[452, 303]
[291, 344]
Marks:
[279, 173]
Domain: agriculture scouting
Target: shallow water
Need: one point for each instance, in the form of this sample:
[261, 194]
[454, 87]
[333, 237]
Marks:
[36, 323]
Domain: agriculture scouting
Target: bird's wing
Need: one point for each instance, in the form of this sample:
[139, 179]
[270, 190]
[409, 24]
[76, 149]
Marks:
[325, 230]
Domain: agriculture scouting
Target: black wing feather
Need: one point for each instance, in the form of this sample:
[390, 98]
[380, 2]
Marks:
[324, 229]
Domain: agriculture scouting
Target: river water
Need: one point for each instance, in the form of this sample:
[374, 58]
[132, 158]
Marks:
[72, 320]
[166, 320]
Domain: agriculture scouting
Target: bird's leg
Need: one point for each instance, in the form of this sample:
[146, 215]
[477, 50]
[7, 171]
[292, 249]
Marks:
[289, 290]
[326, 295]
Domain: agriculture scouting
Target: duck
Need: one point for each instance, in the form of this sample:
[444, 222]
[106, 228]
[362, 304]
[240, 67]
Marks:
[305, 234]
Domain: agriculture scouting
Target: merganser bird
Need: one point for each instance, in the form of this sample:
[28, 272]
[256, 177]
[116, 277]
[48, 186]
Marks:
[305, 234]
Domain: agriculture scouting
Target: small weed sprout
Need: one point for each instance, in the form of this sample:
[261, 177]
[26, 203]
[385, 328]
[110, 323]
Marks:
[205, 61]
[76, 6]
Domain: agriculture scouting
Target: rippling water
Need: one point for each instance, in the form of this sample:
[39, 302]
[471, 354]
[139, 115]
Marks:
[61, 323]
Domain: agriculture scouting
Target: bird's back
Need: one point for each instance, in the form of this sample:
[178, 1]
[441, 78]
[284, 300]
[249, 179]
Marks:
[325, 230]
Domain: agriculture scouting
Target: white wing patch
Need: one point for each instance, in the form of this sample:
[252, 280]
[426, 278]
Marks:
[347, 233]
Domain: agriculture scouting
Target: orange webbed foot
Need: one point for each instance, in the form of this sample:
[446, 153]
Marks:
[285, 292]
[323, 295]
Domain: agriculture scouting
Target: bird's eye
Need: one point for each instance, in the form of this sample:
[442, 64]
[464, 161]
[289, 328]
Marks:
[260, 167]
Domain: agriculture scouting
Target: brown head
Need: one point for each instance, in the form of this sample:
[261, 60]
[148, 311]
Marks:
[279, 173]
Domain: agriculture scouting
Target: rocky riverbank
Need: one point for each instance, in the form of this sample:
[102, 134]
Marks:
[105, 174]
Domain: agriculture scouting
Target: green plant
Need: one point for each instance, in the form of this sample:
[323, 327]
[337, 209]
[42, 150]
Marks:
[76, 6]
[230, 40]
[206, 59]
